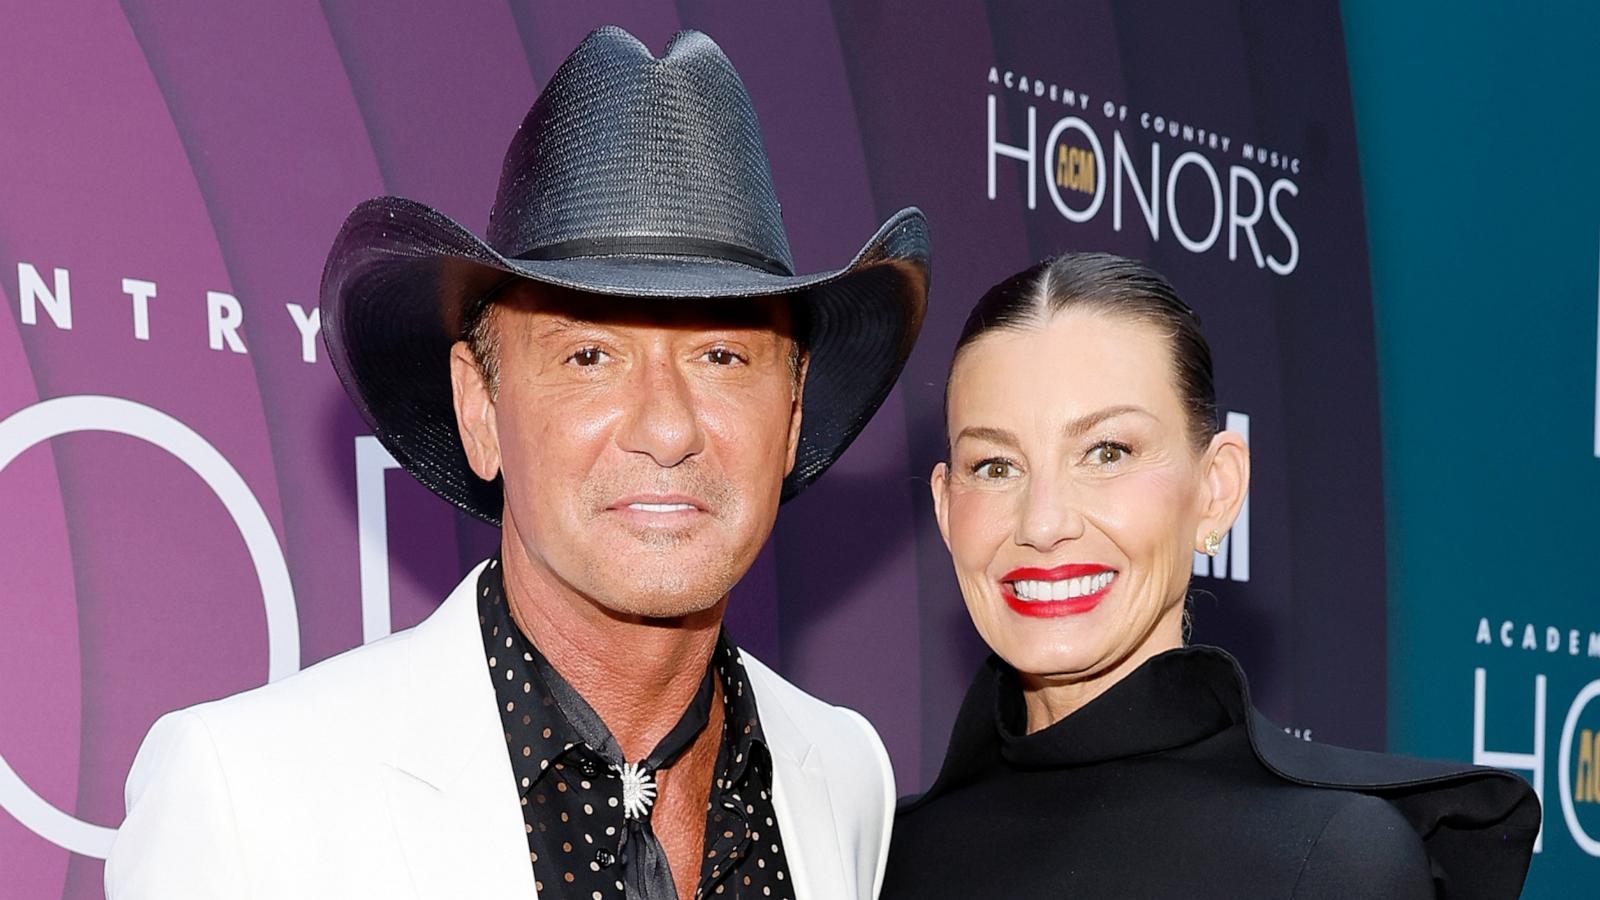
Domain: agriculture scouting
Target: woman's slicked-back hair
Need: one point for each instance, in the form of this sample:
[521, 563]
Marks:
[1112, 285]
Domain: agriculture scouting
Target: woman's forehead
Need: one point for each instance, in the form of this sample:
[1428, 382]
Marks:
[1072, 365]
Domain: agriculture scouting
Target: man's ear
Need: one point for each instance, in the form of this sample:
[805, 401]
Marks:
[1225, 482]
[475, 418]
[795, 411]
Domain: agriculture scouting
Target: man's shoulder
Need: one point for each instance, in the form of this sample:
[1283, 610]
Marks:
[351, 689]
[841, 746]
[795, 721]
[811, 714]
[336, 694]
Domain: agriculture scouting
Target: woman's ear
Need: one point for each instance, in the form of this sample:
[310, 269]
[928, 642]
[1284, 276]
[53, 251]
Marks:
[1225, 482]
[475, 419]
[939, 484]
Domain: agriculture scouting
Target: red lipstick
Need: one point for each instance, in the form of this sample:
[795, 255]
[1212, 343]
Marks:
[1055, 608]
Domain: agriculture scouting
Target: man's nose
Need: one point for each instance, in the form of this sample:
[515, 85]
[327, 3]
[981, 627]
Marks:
[663, 419]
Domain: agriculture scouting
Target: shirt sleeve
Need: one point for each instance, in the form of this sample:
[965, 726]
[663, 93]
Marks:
[179, 840]
[1366, 849]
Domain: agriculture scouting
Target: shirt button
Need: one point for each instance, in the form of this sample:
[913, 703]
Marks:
[588, 768]
[604, 858]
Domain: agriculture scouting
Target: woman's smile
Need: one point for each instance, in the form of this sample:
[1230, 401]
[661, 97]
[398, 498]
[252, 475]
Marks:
[1065, 590]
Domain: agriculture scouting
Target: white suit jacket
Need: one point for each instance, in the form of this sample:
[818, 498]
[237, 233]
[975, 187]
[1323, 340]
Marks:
[383, 772]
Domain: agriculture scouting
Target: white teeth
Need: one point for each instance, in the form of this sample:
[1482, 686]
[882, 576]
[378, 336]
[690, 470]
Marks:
[1064, 589]
[660, 507]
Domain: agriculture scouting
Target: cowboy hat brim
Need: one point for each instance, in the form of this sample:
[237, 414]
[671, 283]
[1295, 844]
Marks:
[401, 277]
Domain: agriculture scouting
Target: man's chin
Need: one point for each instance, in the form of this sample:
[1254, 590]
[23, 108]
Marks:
[660, 577]
[659, 602]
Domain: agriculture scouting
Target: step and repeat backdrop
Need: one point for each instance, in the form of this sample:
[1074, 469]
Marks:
[189, 506]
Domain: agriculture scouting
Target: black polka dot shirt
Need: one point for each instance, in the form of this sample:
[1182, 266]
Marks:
[576, 804]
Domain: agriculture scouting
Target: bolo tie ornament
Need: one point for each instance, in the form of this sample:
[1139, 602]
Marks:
[638, 791]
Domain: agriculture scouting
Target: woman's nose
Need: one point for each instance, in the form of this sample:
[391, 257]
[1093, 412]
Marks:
[1048, 514]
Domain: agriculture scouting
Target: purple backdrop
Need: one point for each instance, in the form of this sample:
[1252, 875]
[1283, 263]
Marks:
[149, 545]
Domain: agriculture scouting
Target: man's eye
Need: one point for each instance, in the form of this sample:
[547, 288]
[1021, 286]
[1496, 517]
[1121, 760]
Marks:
[588, 356]
[995, 469]
[1108, 453]
[722, 356]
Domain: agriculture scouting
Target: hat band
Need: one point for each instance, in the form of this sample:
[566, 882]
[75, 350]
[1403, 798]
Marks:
[647, 245]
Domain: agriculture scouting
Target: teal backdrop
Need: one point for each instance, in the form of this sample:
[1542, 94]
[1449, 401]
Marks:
[1477, 129]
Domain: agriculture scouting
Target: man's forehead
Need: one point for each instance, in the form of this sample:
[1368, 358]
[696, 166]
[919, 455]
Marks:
[559, 308]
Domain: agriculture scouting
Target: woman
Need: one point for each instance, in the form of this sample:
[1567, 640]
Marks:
[1096, 755]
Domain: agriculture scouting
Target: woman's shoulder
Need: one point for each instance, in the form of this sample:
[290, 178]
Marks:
[1365, 848]
[1477, 825]
[1201, 828]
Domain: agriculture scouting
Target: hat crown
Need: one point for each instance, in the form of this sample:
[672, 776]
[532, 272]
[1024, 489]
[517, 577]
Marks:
[624, 152]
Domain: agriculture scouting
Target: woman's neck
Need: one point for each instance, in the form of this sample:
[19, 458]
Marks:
[1050, 698]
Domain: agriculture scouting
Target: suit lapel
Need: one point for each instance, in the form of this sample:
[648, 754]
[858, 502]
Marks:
[800, 797]
[451, 792]
[450, 787]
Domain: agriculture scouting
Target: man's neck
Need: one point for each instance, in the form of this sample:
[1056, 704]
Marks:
[638, 674]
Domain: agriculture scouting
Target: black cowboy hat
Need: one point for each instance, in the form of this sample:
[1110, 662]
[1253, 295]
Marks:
[632, 176]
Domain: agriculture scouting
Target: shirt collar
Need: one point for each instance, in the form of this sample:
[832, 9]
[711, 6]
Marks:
[1174, 699]
[519, 683]
[1197, 690]
[740, 719]
[517, 666]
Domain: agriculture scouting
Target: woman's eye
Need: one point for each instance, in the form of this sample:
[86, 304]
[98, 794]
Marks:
[994, 469]
[722, 356]
[1107, 453]
[588, 356]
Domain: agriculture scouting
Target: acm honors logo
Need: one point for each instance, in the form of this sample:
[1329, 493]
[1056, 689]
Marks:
[1203, 204]
[1576, 807]
[1586, 780]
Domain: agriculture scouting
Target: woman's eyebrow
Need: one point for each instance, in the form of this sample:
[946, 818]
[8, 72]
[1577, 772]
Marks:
[1082, 424]
[1073, 428]
[986, 433]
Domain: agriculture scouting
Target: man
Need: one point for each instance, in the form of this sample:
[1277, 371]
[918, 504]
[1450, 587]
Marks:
[627, 377]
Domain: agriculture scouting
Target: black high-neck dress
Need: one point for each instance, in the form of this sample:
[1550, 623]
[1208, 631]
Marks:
[1170, 785]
